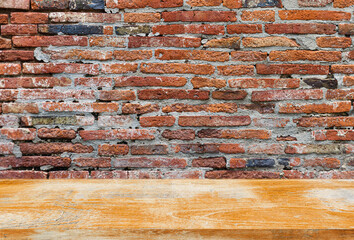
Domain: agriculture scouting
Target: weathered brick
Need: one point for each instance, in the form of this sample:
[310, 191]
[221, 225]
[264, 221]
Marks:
[295, 174]
[18, 29]
[23, 174]
[327, 122]
[213, 121]
[10, 69]
[263, 163]
[55, 133]
[112, 150]
[132, 55]
[244, 28]
[94, 82]
[34, 82]
[143, 3]
[70, 29]
[314, 15]
[336, 175]
[211, 56]
[314, 148]
[114, 121]
[7, 95]
[264, 16]
[53, 148]
[314, 3]
[335, 107]
[304, 69]
[303, 55]
[5, 43]
[264, 83]
[234, 134]
[232, 3]
[199, 16]
[103, 162]
[233, 43]
[211, 162]
[75, 17]
[8, 121]
[340, 94]
[34, 161]
[80, 107]
[45, 41]
[200, 82]
[261, 3]
[266, 149]
[279, 95]
[136, 42]
[4, 19]
[172, 29]
[110, 95]
[22, 134]
[203, 69]
[157, 121]
[133, 30]
[15, 55]
[17, 4]
[56, 94]
[67, 4]
[333, 135]
[134, 108]
[226, 174]
[249, 56]
[142, 17]
[346, 29]
[236, 70]
[153, 162]
[6, 148]
[114, 134]
[149, 150]
[218, 107]
[271, 122]
[69, 175]
[107, 41]
[118, 68]
[346, 69]
[182, 134]
[43, 68]
[321, 83]
[149, 81]
[201, 3]
[229, 95]
[348, 81]
[237, 163]
[261, 42]
[342, 3]
[20, 108]
[300, 28]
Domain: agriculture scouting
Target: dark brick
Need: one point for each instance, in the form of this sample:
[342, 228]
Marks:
[86, 4]
[71, 29]
[322, 83]
[261, 3]
[260, 163]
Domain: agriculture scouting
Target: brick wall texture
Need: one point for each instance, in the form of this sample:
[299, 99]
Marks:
[176, 89]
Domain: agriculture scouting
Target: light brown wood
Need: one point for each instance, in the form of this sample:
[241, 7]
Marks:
[176, 209]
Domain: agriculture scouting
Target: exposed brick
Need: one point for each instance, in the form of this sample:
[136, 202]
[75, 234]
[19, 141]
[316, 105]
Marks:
[172, 29]
[23, 174]
[279, 95]
[119, 68]
[34, 82]
[17, 4]
[142, 17]
[229, 95]
[80, 107]
[77, 54]
[53, 148]
[143, 3]
[335, 107]
[211, 56]
[266, 149]
[333, 135]
[341, 94]
[304, 69]
[327, 122]
[4, 19]
[200, 82]
[199, 16]
[211, 162]
[348, 81]
[149, 150]
[213, 121]
[271, 122]
[226, 174]
[20, 108]
[314, 148]
[295, 174]
[265, 16]
[6, 148]
[10, 69]
[264, 83]
[300, 28]
[249, 56]
[153, 162]
[69, 175]
[261, 42]
[107, 41]
[42, 68]
[235, 134]
[132, 108]
[201, 3]
[182, 134]
[136, 42]
[34, 161]
[314, 15]
[75, 17]
[5, 43]
[236, 70]
[303, 55]
[56, 133]
[103, 162]
[244, 28]
[218, 107]
[342, 3]
[233, 43]
[158, 121]
[346, 69]
[237, 163]
[18, 29]
[45, 41]
[346, 29]
[202, 69]
[314, 3]
[18, 133]
[114, 134]
[112, 150]
[14, 55]
[336, 175]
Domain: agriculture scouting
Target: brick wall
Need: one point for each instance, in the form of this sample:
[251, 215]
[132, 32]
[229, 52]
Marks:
[176, 89]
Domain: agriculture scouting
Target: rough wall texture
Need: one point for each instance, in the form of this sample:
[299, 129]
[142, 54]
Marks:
[176, 89]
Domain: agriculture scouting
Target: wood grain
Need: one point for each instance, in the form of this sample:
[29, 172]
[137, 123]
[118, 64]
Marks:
[176, 209]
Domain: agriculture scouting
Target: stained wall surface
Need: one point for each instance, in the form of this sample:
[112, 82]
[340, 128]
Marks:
[176, 89]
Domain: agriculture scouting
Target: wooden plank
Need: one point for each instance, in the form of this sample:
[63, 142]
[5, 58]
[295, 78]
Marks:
[176, 209]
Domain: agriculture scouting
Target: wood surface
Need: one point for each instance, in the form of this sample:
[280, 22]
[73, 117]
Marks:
[176, 209]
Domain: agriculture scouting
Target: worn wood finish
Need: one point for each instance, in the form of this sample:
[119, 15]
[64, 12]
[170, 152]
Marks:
[176, 209]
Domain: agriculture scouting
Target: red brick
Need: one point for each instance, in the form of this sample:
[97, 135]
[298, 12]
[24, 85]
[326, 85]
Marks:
[34, 161]
[295, 174]
[122, 4]
[103, 162]
[327, 122]
[69, 175]
[236, 70]
[53, 148]
[45, 41]
[8, 95]
[14, 55]
[56, 133]
[300, 28]
[153, 162]
[109, 174]
[336, 175]
[241, 175]
[206, 3]
[233, 43]
[200, 82]
[218, 107]
[264, 83]
[232, 3]
[29, 17]
[114, 134]
[286, 138]
[132, 55]
[342, 94]
[304, 69]
[231, 148]
[336, 107]
[118, 68]
[136, 42]
[197, 148]
[172, 29]
[134, 108]
[135, 81]
[148, 94]
[203, 55]
[244, 28]
[42, 68]
[342, 3]
[6, 148]
[10, 174]
[18, 133]
[334, 42]
[249, 56]
[348, 81]
[4, 19]
[10, 69]
[34, 82]
[5, 43]
[107, 41]
[314, 15]
[163, 68]
[303, 55]
[157, 121]
[264, 16]
[333, 135]
[16, 4]
[80, 107]
[142, 17]
[199, 16]
[116, 95]
[322, 162]
[77, 54]
[149, 150]
[237, 163]
[229, 95]
[276, 41]
[211, 162]
[74, 17]
[213, 121]
[279, 95]
[181, 134]
[346, 29]
[111, 150]
[18, 29]
[234, 134]
[346, 69]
